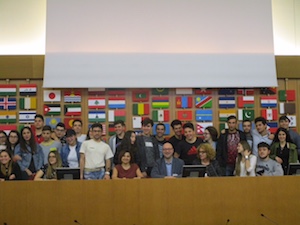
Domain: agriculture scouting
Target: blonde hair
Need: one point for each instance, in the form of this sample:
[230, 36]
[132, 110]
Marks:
[51, 170]
[245, 146]
[210, 152]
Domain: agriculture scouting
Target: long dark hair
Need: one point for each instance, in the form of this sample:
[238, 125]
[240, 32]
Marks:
[32, 143]
[10, 164]
[288, 136]
[9, 145]
[126, 142]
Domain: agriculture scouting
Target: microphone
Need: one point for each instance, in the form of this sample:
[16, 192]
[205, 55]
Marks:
[75, 221]
[228, 220]
[267, 218]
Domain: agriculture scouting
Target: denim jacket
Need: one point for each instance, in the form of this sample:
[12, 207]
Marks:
[65, 152]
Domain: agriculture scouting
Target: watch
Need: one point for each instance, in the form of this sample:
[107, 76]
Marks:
[246, 157]
[107, 173]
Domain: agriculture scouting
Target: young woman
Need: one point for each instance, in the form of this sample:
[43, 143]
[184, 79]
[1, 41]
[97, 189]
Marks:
[13, 140]
[245, 162]
[126, 168]
[9, 169]
[49, 170]
[3, 140]
[210, 136]
[31, 154]
[283, 150]
[205, 156]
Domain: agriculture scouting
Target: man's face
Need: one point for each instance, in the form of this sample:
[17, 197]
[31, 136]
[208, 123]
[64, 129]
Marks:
[119, 129]
[168, 150]
[46, 134]
[97, 133]
[60, 132]
[38, 123]
[189, 133]
[232, 124]
[178, 129]
[263, 152]
[77, 127]
[147, 129]
[160, 131]
[247, 127]
[284, 124]
[260, 127]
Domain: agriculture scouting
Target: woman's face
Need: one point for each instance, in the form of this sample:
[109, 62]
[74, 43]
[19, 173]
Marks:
[13, 138]
[52, 158]
[26, 134]
[281, 136]
[126, 158]
[202, 154]
[132, 138]
[240, 148]
[4, 158]
[206, 135]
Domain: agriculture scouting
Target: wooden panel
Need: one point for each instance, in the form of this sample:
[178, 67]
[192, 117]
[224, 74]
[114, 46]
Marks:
[288, 66]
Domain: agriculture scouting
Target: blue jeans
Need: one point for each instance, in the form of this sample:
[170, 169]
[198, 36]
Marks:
[95, 175]
[229, 170]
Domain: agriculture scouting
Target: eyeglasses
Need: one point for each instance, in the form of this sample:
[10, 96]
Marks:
[97, 131]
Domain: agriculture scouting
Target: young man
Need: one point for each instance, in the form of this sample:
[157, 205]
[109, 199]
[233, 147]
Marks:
[147, 148]
[167, 166]
[77, 127]
[160, 132]
[95, 156]
[266, 166]
[187, 149]
[178, 136]
[49, 144]
[227, 146]
[247, 127]
[60, 133]
[38, 128]
[115, 140]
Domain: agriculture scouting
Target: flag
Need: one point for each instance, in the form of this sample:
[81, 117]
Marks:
[269, 114]
[246, 114]
[161, 115]
[118, 114]
[160, 91]
[8, 89]
[273, 126]
[28, 89]
[51, 95]
[293, 122]
[8, 116]
[268, 91]
[203, 101]
[116, 91]
[52, 109]
[111, 129]
[72, 110]
[96, 103]
[268, 101]
[28, 103]
[160, 102]
[167, 129]
[223, 126]
[226, 91]
[203, 91]
[184, 91]
[204, 115]
[72, 96]
[96, 91]
[8, 128]
[224, 113]
[26, 116]
[136, 122]
[185, 115]
[246, 101]
[52, 121]
[69, 122]
[287, 108]
[140, 109]
[287, 95]
[9, 103]
[141, 95]
[201, 127]
[96, 116]
[184, 102]
[226, 102]
[116, 103]
[245, 91]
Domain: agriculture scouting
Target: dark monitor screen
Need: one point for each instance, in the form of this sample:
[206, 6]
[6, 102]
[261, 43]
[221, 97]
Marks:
[294, 169]
[193, 171]
[66, 173]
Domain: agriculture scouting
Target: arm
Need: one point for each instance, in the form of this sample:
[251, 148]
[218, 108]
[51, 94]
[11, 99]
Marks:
[82, 163]
[115, 174]
[39, 175]
[277, 170]
[18, 157]
[273, 150]
[139, 173]
[155, 173]
[251, 163]
[107, 169]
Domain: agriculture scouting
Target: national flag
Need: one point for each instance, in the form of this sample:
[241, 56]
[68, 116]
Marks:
[8, 89]
[246, 114]
[28, 103]
[116, 103]
[204, 115]
[72, 96]
[28, 89]
[226, 102]
[184, 102]
[268, 91]
[111, 129]
[8, 116]
[226, 91]
[167, 129]
[287, 108]
[96, 91]
[269, 114]
[136, 122]
[52, 109]
[103, 131]
[69, 122]
[184, 91]
[185, 115]
[26, 116]
[223, 126]
[139, 109]
[72, 110]
[96, 116]
[160, 102]
[225, 113]
[141, 95]
[115, 115]
[161, 115]
[9, 103]
[203, 91]
[160, 91]
[96, 103]
[246, 101]
[293, 121]
[203, 101]
[245, 91]
[273, 126]
[8, 128]
[52, 121]
[116, 91]
[268, 101]
[202, 126]
[287, 95]
[52, 96]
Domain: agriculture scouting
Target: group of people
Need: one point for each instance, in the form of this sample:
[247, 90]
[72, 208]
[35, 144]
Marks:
[35, 153]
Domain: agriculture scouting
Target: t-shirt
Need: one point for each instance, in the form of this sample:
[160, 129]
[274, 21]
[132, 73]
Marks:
[130, 173]
[150, 152]
[72, 157]
[188, 151]
[174, 141]
[48, 147]
[232, 142]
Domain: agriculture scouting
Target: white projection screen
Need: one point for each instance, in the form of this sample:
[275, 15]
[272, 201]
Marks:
[159, 43]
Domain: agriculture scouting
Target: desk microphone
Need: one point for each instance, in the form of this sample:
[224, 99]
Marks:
[75, 221]
[227, 222]
[272, 221]
[4, 223]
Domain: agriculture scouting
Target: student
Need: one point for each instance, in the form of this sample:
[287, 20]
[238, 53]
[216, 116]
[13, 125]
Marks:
[38, 128]
[60, 133]
[48, 171]
[115, 140]
[178, 136]
[210, 136]
[13, 140]
[247, 127]
[265, 165]
[160, 132]
[3, 140]
[77, 127]
[9, 170]
[245, 161]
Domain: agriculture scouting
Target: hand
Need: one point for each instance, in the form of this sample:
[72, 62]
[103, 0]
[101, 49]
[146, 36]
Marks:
[16, 158]
[1, 179]
[246, 153]
[12, 177]
[278, 159]
[170, 177]
[106, 177]
[144, 174]
[271, 136]
[29, 173]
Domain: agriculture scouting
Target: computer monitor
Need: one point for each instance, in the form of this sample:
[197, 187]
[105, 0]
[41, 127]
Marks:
[193, 171]
[66, 173]
[294, 169]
